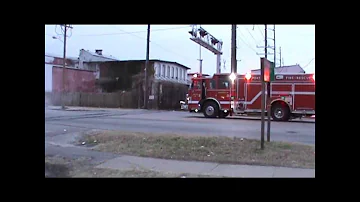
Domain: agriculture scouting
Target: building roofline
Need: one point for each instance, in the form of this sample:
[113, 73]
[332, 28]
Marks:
[155, 60]
[109, 57]
[58, 56]
[282, 67]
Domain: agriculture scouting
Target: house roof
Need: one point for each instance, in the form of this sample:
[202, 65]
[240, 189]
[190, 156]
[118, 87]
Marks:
[109, 57]
[157, 60]
[60, 56]
[286, 69]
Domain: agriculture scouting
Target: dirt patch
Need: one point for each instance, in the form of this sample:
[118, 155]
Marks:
[211, 149]
[57, 166]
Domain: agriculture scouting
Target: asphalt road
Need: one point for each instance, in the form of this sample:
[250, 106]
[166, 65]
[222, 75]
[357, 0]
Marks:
[59, 122]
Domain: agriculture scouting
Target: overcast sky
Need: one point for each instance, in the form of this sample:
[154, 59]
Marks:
[172, 43]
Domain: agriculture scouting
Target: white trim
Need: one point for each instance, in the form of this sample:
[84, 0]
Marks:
[276, 93]
[293, 93]
[259, 94]
[253, 100]
[193, 102]
[196, 102]
[279, 74]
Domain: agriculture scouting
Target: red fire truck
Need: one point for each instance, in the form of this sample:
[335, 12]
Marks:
[292, 95]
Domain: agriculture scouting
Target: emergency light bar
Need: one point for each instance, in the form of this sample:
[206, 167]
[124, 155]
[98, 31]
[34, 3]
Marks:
[232, 77]
[248, 76]
[313, 77]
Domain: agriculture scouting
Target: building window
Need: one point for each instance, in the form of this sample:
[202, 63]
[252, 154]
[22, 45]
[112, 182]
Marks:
[168, 71]
[177, 73]
[163, 71]
[158, 71]
[172, 72]
[180, 74]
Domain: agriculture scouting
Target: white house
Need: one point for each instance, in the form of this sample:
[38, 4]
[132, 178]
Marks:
[89, 60]
[170, 71]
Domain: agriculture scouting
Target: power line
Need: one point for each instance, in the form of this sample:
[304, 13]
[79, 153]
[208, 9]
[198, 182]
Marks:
[169, 50]
[246, 43]
[136, 32]
[247, 29]
[309, 63]
[260, 32]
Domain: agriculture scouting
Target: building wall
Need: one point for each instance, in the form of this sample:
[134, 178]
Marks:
[170, 72]
[84, 57]
[88, 61]
[50, 61]
[75, 80]
[56, 60]
[48, 78]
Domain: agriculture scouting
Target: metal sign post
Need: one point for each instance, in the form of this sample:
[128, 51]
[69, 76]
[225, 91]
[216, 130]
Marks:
[262, 103]
[266, 77]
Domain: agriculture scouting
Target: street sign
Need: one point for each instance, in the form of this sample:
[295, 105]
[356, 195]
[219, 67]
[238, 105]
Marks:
[268, 66]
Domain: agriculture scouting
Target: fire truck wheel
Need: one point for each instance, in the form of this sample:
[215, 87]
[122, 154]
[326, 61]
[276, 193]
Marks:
[211, 109]
[280, 112]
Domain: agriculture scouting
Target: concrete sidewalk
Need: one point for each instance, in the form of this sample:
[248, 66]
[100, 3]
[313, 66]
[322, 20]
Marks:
[204, 168]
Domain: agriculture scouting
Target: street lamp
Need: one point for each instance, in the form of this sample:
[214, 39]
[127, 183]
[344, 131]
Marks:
[54, 37]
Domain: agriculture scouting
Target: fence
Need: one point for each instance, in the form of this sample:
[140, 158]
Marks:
[166, 96]
[108, 100]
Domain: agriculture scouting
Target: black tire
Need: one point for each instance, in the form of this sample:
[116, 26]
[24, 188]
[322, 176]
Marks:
[223, 115]
[211, 109]
[280, 112]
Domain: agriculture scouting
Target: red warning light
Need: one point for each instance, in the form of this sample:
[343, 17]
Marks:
[248, 76]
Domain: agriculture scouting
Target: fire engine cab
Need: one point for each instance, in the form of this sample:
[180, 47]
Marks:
[292, 95]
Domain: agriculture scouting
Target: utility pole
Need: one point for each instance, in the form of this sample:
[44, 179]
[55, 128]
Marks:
[263, 94]
[146, 96]
[280, 56]
[233, 49]
[64, 67]
[269, 87]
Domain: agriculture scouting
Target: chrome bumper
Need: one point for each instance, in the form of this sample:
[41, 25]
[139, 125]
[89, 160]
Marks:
[183, 105]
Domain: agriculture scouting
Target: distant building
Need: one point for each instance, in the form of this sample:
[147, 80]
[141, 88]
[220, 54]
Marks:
[89, 60]
[53, 60]
[170, 71]
[119, 74]
[292, 69]
[167, 81]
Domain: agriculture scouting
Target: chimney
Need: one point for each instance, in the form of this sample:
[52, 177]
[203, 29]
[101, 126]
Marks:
[98, 51]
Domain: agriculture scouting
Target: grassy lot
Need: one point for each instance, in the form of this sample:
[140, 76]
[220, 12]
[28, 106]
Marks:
[211, 149]
[56, 166]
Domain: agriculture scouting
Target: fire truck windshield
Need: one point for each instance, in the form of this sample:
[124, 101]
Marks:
[195, 84]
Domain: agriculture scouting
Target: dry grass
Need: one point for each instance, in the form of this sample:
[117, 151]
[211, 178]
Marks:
[57, 166]
[212, 149]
